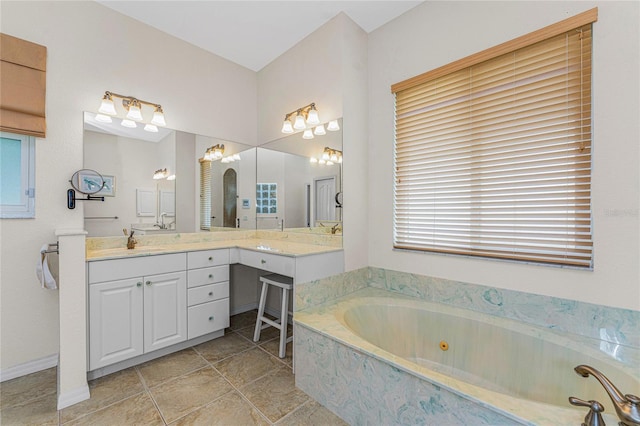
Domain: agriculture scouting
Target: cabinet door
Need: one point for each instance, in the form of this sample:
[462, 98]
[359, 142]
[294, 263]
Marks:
[115, 321]
[165, 310]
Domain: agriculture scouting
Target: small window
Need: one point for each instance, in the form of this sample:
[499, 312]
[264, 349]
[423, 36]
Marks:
[17, 176]
[267, 198]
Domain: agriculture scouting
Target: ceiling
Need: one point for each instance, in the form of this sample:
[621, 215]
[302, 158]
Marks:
[253, 33]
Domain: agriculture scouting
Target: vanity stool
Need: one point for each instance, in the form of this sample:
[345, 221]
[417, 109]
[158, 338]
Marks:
[286, 285]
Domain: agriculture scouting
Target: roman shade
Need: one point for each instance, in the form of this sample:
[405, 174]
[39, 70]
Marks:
[493, 152]
[205, 194]
[22, 86]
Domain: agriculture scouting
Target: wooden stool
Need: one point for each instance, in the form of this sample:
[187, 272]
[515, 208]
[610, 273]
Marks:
[286, 284]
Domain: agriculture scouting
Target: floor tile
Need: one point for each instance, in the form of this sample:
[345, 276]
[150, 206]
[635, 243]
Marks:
[187, 393]
[265, 335]
[247, 366]
[312, 414]
[105, 391]
[223, 347]
[23, 389]
[243, 320]
[273, 347]
[41, 411]
[136, 410]
[229, 410]
[275, 394]
[170, 366]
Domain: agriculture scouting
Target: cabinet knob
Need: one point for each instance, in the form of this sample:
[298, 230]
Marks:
[139, 284]
[210, 275]
[210, 258]
[211, 318]
[263, 261]
[148, 283]
[210, 293]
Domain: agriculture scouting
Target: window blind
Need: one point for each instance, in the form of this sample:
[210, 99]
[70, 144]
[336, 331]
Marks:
[494, 159]
[205, 194]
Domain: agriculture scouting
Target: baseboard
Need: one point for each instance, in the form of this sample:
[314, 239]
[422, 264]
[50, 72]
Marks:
[29, 367]
[244, 308]
[73, 397]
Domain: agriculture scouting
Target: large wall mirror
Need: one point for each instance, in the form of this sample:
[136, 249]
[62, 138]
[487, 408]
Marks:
[299, 184]
[131, 158]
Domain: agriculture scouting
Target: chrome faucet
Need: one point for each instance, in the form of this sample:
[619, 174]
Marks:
[627, 406]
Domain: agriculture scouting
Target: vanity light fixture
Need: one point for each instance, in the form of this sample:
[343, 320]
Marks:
[329, 157]
[160, 174]
[214, 153]
[133, 107]
[305, 116]
[171, 177]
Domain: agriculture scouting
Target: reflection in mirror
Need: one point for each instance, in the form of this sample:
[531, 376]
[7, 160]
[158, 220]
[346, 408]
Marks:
[298, 190]
[227, 173]
[145, 199]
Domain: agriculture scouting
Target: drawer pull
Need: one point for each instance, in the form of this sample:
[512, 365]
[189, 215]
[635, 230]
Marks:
[148, 283]
[210, 258]
[210, 275]
[263, 261]
[139, 284]
[210, 293]
[211, 318]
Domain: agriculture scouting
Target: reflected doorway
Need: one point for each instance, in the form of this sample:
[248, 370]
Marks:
[325, 190]
[230, 197]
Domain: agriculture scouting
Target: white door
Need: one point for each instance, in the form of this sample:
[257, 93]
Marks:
[165, 310]
[325, 199]
[115, 321]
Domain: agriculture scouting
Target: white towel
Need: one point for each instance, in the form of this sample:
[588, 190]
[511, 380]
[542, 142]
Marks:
[42, 270]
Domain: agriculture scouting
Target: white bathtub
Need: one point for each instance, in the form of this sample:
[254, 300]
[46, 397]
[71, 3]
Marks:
[520, 371]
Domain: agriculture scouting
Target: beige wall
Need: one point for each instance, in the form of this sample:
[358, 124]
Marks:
[92, 49]
[437, 33]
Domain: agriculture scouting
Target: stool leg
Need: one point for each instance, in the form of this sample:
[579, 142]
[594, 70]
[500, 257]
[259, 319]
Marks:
[284, 322]
[263, 301]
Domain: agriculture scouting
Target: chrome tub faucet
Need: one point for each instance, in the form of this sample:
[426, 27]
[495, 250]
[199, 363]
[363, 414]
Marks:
[627, 406]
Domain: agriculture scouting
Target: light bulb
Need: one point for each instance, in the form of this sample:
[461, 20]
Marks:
[134, 111]
[333, 126]
[287, 127]
[158, 117]
[321, 161]
[236, 157]
[107, 107]
[299, 123]
[129, 123]
[172, 177]
[312, 117]
[225, 160]
[329, 163]
[103, 118]
[340, 159]
[334, 157]
[151, 128]
[313, 160]
[319, 130]
[308, 134]
[326, 156]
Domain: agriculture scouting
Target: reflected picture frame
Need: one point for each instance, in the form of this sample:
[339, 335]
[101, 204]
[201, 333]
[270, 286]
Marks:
[88, 180]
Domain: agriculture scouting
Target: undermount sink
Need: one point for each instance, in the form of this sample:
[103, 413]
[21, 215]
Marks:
[266, 248]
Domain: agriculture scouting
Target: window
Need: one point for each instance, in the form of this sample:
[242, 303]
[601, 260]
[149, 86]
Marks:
[17, 176]
[493, 152]
[267, 198]
[205, 194]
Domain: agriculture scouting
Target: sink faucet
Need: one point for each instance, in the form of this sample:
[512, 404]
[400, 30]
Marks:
[627, 406]
[162, 225]
[335, 228]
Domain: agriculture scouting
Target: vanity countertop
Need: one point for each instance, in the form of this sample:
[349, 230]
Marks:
[279, 247]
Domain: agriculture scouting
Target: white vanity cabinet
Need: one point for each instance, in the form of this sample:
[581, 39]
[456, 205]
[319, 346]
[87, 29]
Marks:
[136, 305]
[208, 291]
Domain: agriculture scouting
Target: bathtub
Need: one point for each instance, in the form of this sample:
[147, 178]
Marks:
[375, 357]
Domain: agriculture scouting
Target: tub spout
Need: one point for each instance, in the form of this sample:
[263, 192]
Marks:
[627, 406]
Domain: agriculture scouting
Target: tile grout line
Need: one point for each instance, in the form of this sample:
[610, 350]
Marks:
[149, 394]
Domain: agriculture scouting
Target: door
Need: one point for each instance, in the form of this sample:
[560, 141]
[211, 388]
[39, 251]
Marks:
[115, 321]
[325, 199]
[165, 310]
[230, 200]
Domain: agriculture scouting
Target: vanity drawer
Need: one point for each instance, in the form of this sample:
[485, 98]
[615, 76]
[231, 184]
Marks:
[207, 318]
[207, 293]
[283, 265]
[197, 277]
[118, 269]
[205, 258]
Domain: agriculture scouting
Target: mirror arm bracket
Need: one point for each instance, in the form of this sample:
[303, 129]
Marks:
[71, 199]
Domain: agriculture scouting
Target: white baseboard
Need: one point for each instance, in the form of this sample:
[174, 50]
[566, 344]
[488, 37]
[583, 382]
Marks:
[29, 367]
[73, 397]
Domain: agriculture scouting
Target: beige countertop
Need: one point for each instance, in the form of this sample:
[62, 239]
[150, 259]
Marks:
[279, 247]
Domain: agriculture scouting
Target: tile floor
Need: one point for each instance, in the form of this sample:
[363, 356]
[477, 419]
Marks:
[226, 381]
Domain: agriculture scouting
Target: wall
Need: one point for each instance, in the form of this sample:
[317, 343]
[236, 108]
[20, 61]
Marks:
[436, 33]
[328, 67]
[200, 93]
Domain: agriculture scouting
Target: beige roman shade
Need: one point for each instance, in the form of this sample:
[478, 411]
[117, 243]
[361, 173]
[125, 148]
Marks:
[493, 152]
[205, 194]
[22, 86]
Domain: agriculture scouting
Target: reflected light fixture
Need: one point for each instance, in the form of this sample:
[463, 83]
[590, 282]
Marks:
[333, 126]
[308, 134]
[171, 177]
[319, 130]
[133, 107]
[160, 174]
[329, 157]
[214, 153]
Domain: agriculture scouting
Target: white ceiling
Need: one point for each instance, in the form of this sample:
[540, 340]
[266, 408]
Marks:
[253, 33]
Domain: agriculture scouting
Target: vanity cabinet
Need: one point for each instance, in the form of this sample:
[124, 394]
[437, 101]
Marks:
[136, 306]
[208, 291]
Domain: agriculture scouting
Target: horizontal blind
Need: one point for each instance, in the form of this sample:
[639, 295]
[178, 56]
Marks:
[495, 159]
[205, 194]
